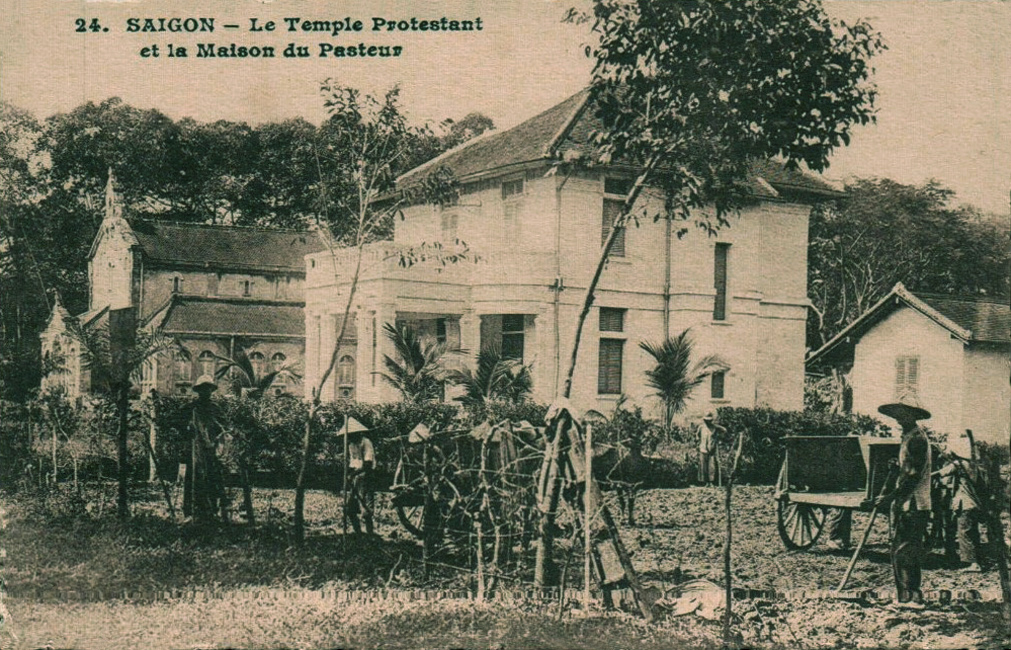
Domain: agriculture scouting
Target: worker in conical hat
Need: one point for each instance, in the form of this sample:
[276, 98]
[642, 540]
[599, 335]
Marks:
[204, 493]
[909, 500]
[361, 465]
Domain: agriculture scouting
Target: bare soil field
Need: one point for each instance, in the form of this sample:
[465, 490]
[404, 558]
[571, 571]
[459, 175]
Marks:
[262, 592]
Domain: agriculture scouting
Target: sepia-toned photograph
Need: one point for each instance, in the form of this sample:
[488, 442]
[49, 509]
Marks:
[502, 326]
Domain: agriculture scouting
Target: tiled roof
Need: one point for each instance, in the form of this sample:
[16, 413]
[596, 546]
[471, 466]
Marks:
[526, 142]
[988, 318]
[225, 246]
[973, 319]
[233, 317]
[563, 132]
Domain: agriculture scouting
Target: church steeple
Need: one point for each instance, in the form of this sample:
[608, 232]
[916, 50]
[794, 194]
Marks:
[111, 258]
[113, 210]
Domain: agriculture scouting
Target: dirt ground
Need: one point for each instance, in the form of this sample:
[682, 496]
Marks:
[679, 537]
[683, 530]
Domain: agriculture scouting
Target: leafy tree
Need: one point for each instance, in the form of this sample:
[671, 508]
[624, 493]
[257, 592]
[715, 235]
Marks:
[691, 94]
[417, 372]
[885, 232]
[456, 132]
[112, 372]
[495, 378]
[369, 144]
[673, 376]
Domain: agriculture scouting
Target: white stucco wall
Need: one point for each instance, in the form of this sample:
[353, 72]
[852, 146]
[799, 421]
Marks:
[762, 338]
[907, 332]
[987, 393]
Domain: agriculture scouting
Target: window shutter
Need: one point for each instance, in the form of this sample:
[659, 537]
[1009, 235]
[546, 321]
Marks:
[912, 374]
[609, 366]
[612, 210]
[900, 376]
[721, 254]
[718, 384]
[612, 320]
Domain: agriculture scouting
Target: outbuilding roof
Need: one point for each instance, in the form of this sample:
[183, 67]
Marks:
[205, 315]
[225, 246]
[563, 132]
[972, 319]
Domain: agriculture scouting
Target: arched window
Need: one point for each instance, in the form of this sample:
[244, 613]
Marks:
[277, 363]
[346, 376]
[258, 361]
[183, 370]
[207, 364]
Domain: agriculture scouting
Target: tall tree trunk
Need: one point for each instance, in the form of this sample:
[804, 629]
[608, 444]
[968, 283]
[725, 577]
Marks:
[545, 541]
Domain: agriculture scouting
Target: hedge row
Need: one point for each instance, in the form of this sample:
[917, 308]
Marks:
[268, 434]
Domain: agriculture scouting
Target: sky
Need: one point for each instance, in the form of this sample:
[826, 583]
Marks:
[944, 82]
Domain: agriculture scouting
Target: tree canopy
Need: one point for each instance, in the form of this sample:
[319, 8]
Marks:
[885, 232]
[53, 173]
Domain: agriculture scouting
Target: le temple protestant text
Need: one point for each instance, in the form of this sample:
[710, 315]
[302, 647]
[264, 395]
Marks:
[262, 27]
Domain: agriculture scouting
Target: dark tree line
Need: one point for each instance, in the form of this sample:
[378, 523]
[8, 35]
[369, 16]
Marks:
[52, 179]
[885, 232]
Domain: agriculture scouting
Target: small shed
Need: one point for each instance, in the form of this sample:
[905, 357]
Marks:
[952, 351]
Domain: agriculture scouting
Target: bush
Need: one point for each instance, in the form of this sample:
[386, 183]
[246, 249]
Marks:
[763, 452]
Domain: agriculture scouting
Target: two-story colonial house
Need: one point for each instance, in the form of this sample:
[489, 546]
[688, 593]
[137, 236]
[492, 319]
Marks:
[537, 226]
[212, 288]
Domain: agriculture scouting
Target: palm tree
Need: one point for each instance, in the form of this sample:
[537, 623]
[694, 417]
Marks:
[112, 372]
[674, 377]
[495, 378]
[417, 372]
[245, 381]
[243, 377]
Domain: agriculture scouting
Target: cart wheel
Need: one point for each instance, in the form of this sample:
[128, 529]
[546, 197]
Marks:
[799, 524]
[412, 518]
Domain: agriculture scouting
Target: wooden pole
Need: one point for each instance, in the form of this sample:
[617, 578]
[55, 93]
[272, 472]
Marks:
[344, 480]
[587, 518]
[860, 547]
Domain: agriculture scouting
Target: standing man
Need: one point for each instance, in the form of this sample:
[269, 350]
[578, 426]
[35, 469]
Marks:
[360, 465]
[205, 480]
[709, 434]
[910, 500]
[960, 473]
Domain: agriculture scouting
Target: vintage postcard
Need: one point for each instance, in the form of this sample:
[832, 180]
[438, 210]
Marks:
[533, 323]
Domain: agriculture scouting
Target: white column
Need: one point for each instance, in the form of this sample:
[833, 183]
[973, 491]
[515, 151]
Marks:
[470, 336]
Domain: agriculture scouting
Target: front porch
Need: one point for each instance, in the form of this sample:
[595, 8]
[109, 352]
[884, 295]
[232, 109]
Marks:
[358, 373]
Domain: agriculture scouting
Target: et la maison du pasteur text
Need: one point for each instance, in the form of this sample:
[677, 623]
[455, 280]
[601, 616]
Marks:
[290, 37]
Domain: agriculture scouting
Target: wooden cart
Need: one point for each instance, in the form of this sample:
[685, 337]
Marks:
[823, 472]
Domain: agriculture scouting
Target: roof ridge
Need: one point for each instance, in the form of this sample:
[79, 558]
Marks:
[463, 145]
[243, 300]
[214, 226]
[964, 297]
[567, 125]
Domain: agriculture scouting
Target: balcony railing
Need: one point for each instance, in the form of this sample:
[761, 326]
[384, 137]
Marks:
[387, 260]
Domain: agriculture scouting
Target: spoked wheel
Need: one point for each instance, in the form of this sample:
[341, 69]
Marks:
[412, 518]
[799, 524]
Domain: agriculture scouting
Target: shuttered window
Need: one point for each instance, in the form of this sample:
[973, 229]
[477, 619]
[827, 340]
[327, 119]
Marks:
[718, 385]
[512, 336]
[612, 320]
[612, 210]
[512, 188]
[720, 281]
[609, 366]
[907, 376]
